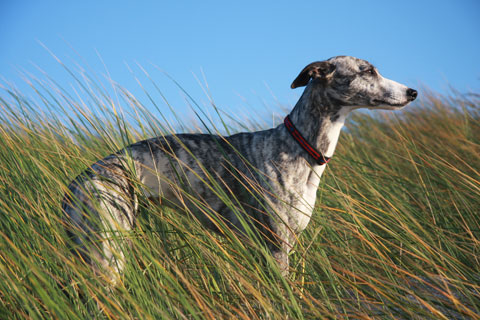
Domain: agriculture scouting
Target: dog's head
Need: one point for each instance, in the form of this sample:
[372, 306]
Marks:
[354, 82]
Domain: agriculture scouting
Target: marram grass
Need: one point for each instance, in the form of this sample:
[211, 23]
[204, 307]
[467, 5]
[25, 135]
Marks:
[395, 234]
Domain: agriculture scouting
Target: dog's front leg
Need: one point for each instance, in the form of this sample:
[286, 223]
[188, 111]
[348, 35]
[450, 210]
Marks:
[281, 257]
[280, 249]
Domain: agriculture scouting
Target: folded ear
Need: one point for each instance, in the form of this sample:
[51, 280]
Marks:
[315, 70]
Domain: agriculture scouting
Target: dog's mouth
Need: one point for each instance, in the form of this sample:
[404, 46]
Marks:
[377, 102]
[382, 104]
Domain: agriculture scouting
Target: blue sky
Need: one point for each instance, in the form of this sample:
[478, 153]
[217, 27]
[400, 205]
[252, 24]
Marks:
[248, 51]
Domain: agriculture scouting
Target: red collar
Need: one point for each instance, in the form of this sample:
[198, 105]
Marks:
[318, 156]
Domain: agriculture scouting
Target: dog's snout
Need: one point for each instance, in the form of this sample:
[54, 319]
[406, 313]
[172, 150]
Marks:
[411, 94]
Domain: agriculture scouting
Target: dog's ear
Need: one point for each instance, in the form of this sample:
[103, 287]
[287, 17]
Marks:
[315, 70]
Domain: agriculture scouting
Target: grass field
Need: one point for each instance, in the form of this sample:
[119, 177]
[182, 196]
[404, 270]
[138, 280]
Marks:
[395, 234]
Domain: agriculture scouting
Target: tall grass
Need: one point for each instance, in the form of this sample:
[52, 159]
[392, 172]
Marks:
[395, 233]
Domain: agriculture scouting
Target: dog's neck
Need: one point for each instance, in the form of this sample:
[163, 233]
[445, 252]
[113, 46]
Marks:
[319, 119]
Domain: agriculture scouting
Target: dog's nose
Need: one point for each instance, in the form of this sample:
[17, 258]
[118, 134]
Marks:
[411, 94]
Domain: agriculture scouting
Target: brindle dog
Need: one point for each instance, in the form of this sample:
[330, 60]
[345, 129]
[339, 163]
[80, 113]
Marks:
[272, 175]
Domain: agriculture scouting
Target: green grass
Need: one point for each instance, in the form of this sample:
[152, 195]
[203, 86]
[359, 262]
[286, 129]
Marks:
[395, 233]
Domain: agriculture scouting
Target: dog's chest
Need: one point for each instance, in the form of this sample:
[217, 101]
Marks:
[305, 200]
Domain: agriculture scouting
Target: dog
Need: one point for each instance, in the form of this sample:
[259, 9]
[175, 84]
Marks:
[271, 176]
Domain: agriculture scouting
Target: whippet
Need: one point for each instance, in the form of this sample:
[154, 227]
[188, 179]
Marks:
[272, 175]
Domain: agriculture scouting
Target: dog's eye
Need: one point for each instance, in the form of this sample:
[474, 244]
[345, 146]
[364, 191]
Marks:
[370, 71]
